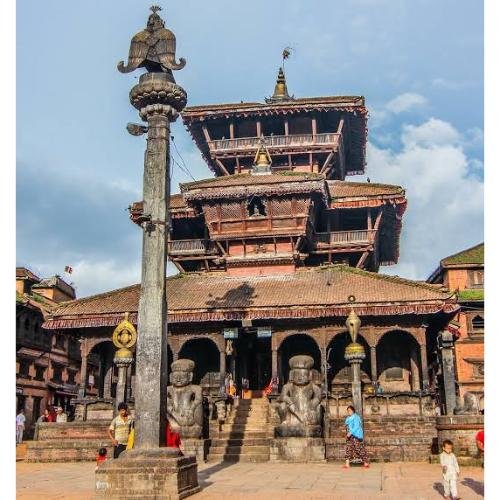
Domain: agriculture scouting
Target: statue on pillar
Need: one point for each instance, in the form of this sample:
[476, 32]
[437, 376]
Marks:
[299, 405]
[184, 401]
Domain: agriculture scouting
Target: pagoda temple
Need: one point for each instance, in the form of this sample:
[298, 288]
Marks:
[273, 252]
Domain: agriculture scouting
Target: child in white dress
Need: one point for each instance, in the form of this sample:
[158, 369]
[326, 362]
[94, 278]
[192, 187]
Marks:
[451, 470]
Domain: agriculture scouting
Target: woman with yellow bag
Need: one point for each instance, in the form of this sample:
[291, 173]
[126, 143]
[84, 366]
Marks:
[120, 429]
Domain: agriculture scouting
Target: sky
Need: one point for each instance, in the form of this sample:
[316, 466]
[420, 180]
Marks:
[419, 64]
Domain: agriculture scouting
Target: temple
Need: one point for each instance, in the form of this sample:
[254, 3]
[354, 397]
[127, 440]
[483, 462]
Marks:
[273, 252]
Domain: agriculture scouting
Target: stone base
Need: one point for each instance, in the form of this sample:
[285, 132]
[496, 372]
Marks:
[297, 449]
[195, 447]
[160, 474]
[461, 430]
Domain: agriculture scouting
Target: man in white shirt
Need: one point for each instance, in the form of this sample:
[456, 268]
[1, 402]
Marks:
[20, 420]
[60, 415]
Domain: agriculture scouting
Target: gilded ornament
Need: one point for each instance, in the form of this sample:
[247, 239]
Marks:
[125, 334]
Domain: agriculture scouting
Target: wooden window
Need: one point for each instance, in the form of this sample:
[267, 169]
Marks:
[57, 373]
[256, 207]
[24, 368]
[59, 342]
[71, 376]
[477, 323]
[39, 373]
[475, 279]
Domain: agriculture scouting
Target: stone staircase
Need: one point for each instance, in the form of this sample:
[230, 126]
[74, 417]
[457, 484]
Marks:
[244, 436]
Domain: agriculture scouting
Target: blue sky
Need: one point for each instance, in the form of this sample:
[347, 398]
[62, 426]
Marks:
[418, 63]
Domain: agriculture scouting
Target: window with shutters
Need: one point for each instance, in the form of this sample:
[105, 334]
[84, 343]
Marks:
[475, 279]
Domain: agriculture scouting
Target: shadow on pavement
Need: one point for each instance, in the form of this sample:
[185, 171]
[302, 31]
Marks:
[439, 488]
[204, 475]
[475, 486]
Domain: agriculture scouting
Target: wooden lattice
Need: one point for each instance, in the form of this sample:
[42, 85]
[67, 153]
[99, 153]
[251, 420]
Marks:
[230, 210]
[282, 206]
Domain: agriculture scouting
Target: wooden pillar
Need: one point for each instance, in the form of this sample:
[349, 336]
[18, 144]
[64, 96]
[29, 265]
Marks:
[373, 362]
[415, 379]
[231, 130]
[286, 127]
[425, 368]
[222, 363]
[314, 127]
[258, 128]
[369, 222]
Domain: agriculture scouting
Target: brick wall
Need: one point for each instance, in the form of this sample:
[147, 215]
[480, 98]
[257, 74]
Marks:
[461, 430]
[388, 439]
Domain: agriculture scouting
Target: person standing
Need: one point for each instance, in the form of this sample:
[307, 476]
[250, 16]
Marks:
[60, 415]
[480, 444]
[355, 446]
[451, 470]
[20, 421]
[119, 429]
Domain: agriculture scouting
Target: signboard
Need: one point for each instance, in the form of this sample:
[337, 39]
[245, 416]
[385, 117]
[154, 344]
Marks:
[264, 332]
[230, 333]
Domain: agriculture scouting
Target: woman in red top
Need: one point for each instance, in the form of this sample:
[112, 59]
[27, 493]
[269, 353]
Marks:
[173, 438]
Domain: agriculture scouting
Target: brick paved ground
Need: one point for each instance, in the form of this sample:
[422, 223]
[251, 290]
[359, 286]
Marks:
[266, 481]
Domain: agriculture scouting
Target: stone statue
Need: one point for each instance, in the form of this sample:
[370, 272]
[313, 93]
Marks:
[184, 401]
[299, 405]
[470, 406]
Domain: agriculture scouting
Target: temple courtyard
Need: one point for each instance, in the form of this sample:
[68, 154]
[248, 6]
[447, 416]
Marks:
[266, 481]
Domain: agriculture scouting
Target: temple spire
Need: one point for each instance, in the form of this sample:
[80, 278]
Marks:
[262, 161]
[280, 89]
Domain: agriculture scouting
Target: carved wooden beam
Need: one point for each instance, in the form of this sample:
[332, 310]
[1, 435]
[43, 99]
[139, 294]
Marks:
[362, 259]
[327, 161]
[221, 166]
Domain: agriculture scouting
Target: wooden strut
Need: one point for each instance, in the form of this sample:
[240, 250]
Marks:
[221, 166]
[327, 161]
[362, 259]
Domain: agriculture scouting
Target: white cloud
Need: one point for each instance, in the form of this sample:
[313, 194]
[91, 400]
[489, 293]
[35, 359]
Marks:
[406, 102]
[445, 203]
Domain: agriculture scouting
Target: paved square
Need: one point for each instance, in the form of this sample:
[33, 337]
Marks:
[266, 481]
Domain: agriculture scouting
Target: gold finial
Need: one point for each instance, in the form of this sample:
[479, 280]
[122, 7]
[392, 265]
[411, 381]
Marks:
[280, 90]
[125, 334]
[262, 161]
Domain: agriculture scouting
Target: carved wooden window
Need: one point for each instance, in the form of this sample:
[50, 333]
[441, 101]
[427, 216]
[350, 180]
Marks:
[59, 342]
[71, 376]
[282, 206]
[57, 373]
[256, 207]
[230, 211]
[475, 279]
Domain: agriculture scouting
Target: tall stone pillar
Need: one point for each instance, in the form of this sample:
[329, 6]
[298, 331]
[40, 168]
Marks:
[355, 354]
[373, 362]
[449, 375]
[274, 363]
[424, 366]
[129, 391]
[159, 100]
[82, 388]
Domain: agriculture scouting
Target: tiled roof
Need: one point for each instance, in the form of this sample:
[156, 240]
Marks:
[250, 180]
[474, 255]
[312, 293]
[56, 282]
[299, 102]
[23, 272]
[177, 201]
[346, 189]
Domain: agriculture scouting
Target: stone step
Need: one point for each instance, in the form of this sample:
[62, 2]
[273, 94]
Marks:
[237, 458]
[239, 450]
[242, 435]
[244, 427]
[244, 420]
[216, 443]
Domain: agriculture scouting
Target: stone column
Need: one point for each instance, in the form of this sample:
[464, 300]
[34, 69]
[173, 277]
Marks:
[425, 369]
[108, 377]
[448, 367]
[222, 371]
[121, 386]
[82, 389]
[415, 379]
[373, 362]
[129, 391]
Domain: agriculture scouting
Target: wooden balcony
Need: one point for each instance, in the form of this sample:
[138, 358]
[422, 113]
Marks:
[191, 247]
[343, 238]
[274, 143]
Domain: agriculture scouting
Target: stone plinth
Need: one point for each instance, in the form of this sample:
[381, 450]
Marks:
[462, 430]
[297, 449]
[69, 442]
[158, 473]
[196, 447]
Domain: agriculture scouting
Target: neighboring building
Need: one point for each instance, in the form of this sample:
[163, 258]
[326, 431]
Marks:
[47, 362]
[464, 273]
[271, 250]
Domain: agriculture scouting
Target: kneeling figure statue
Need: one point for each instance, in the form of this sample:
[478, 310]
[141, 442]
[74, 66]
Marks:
[184, 401]
[299, 405]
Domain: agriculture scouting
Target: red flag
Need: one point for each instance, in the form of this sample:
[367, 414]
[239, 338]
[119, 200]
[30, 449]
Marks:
[68, 269]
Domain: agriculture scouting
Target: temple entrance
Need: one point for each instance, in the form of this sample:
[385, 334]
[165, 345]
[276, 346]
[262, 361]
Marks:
[205, 355]
[293, 345]
[252, 361]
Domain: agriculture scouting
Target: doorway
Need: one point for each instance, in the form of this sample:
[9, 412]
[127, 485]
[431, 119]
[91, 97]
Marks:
[253, 360]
